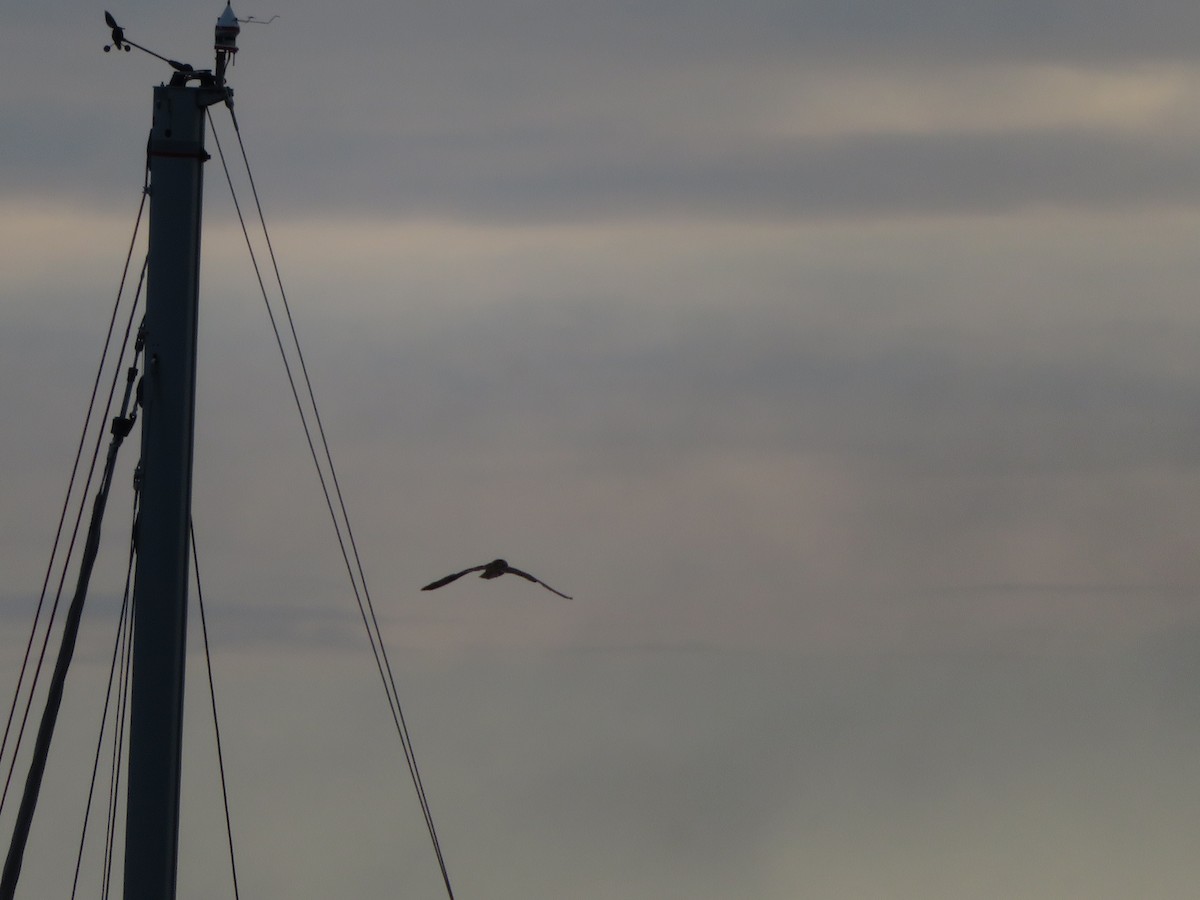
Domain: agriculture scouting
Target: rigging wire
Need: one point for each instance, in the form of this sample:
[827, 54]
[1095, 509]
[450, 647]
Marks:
[65, 566]
[122, 662]
[120, 428]
[212, 695]
[122, 657]
[91, 407]
[354, 570]
[120, 723]
[119, 663]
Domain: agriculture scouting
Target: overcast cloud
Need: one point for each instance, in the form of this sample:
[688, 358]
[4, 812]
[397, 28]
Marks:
[838, 358]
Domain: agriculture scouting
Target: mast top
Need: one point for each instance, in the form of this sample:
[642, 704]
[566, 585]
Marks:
[225, 40]
[224, 43]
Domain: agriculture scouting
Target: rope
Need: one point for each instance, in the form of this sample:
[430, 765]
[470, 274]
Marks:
[41, 748]
[120, 729]
[120, 723]
[354, 570]
[118, 662]
[212, 695]
[66, 506]
[366, 607]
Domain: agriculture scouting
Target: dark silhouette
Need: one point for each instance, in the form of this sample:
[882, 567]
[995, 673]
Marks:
[494, 569]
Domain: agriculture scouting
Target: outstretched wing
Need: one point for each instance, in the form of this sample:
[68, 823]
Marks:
[529, 577]
[450, 578]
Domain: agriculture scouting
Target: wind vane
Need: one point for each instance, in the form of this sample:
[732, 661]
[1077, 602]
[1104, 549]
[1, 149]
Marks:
[120, 42]
[224, 43]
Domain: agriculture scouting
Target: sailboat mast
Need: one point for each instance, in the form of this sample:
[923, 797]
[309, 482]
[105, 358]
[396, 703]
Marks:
[160, 579]
[168, 397]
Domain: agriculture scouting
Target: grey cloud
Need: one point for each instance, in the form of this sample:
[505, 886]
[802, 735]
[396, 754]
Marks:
[531, 112]
[636, 33]
[953, 758]
[546, 176]
[926, 404]
[872, 469]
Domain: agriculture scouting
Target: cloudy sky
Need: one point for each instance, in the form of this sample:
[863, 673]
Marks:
[839, 359]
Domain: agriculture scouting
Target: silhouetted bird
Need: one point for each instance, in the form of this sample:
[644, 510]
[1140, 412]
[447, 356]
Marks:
[494, 569]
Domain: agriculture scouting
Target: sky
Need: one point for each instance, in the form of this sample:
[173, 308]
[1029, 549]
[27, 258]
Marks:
[838, 359]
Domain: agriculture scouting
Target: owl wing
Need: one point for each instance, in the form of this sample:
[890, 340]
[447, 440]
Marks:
[529, 577]
[449, 578]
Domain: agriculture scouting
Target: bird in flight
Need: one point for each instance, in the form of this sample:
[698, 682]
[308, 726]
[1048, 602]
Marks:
[494, 569]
